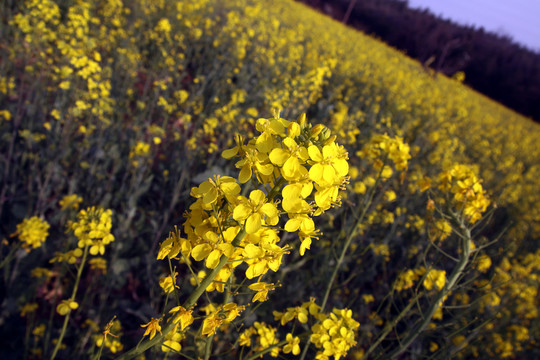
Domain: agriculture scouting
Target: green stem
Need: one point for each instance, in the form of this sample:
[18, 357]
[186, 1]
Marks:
[190, 302]
[267, 350]
[389, 326]
[98, 356]
[9, 256]
[348, 241]
[448, 287]
[208, 347]
[173, 277]
[74, 292]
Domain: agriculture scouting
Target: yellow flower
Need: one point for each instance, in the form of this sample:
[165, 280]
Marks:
[216, 317]
[168, 283]
[253, 160]
[33, 232]
[141, 149]
[293, 344]
[262, 257]
[93, 229]
[213, 247]
[98, 263]
[173, 245]
[39, 331]
[152, 327]
[245, 337]
[213, 189]
[435, 278]
[440, 230]
[290, 159]
[335, 333]
[70, 202]
[253, 210]
[28, 308]
[66, 306]
[184, 316]
[172, 341]
[484, 263]
[328, 167]
[306, 230]
[262, 289]
[368, 298]
[5, 114]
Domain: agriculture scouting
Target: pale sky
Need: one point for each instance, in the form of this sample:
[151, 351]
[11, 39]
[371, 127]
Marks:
[518, 18]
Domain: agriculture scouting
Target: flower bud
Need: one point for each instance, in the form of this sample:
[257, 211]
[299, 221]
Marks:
[316, 130]
[330, 140]
[301, 120]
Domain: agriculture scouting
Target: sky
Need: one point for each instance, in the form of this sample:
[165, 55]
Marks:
[520, 19]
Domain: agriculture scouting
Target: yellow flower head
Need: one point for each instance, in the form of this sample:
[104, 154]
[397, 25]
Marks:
[70, 202]
[66, 306]
[152, 327]
[33, 232]
[253, 211]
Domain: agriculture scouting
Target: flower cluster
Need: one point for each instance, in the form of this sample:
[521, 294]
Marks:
[333, 334]
[266, 338]
[110, 337]
[32, 232]
[297, 170]
[217, 316]
[381, 147]
[294, 159]
[468, 195]
[70, 202]
[66, 306]
[433, 278]
[93, 229]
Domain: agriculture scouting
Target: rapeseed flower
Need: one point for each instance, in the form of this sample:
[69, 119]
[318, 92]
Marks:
[152, 327]
[293, 344]
[33, 232]
[328, 166]
[254, 210]
[66, 306]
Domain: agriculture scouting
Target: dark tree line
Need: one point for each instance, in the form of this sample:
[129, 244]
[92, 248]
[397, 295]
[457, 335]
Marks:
[493, 63]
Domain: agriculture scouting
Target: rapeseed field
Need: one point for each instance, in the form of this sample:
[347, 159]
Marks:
[249, 179]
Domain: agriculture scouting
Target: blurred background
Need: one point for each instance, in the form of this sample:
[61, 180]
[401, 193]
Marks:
[495, 43]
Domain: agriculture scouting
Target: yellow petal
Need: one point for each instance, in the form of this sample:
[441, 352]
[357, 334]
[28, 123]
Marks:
[341, 166]
[290, 168]
[269, 210]
[278, 156]
[265, 142]
[253, 223]
[293, 224]
[227, 249]
[257, 196]
[266, 169]
[252, 251]
[241, 212]
[227, 154]
[245, 174]
[329, 174]
[316, 172]
[210, 196]
[213, 259]
[200, 251]
[315, 153]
